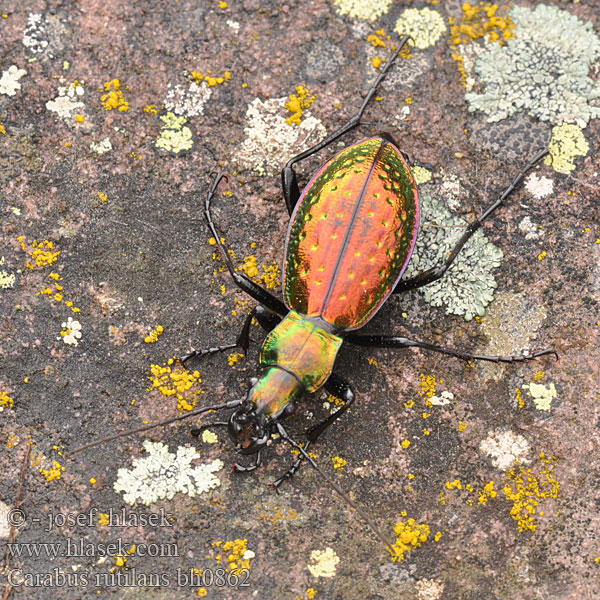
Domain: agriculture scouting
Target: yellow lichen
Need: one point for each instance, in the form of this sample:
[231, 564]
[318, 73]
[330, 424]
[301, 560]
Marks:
[41, 253]
[234, 357]
[410, 536]
[480, 21]
[566, 144]
[236, 554]
[339, 462]
[153, 337]
[487, 493]
[178, 381]
[271, 277]
[5, 401]
[526, 489]
[298, 103]
[53, 472]
[113, 99]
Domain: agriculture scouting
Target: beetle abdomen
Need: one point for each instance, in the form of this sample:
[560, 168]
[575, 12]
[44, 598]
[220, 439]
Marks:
[351, 234]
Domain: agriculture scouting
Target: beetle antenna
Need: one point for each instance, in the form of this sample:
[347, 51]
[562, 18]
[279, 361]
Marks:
[282, 432]
[230, 404]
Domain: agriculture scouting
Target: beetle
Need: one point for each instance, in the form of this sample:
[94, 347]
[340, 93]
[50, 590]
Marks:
[351, 234]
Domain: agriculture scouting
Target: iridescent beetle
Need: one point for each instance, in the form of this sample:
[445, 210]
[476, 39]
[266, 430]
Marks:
[351, 235]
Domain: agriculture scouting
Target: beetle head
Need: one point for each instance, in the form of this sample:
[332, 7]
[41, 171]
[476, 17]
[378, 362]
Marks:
[248, 429]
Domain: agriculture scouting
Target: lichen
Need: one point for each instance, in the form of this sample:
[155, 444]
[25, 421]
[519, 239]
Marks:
[298, 103]
[188, 101]
[5, 401]
[175, 136]
[504, 448]
[34, 33]
[542, 70]
[410, 536]
[468, 286]
[113, 98]
[421, 174]
[101, 147]
[368, 10]
[526, 489]
[539, 186]
[162, 474]
[71, 332]
[176, 381]
[542, 395]
[67, 100]
[424, 25]
[566, 144]
[323, 563]
[9, 82]
[270, 140]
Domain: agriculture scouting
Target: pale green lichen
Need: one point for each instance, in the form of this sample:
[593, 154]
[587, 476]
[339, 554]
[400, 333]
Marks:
[323, 563]
[424, 25]
[543, 70]
[421, 174]
[7, 278]
[174, 136]
[468, 286]
[368, 10]
[566, 144]
[270, 140]
[162, 474]
[542, 396]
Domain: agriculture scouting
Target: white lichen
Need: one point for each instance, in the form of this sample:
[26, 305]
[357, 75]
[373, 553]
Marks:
[7, 516]
[429, 589]
[368, 10]
[9, 82]
[424, 25]
[188, 101]
[468, 285]
[101, 147]
[34, 33]
[270, 141]
[539, 186]
[71, 332]
[163, 474]
[543, 69]
[68, 100]
[529, 229]
[503, 448]
[443, 399]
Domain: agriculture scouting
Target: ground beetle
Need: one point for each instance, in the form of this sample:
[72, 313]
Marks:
[351, 235]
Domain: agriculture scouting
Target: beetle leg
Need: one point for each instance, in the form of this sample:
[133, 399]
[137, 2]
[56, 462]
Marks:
[436, 273]
[392, 341]
[242, 342]
[266, 319]
[241, 280]
[340, 389]
[289, 181]
[242, 469]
